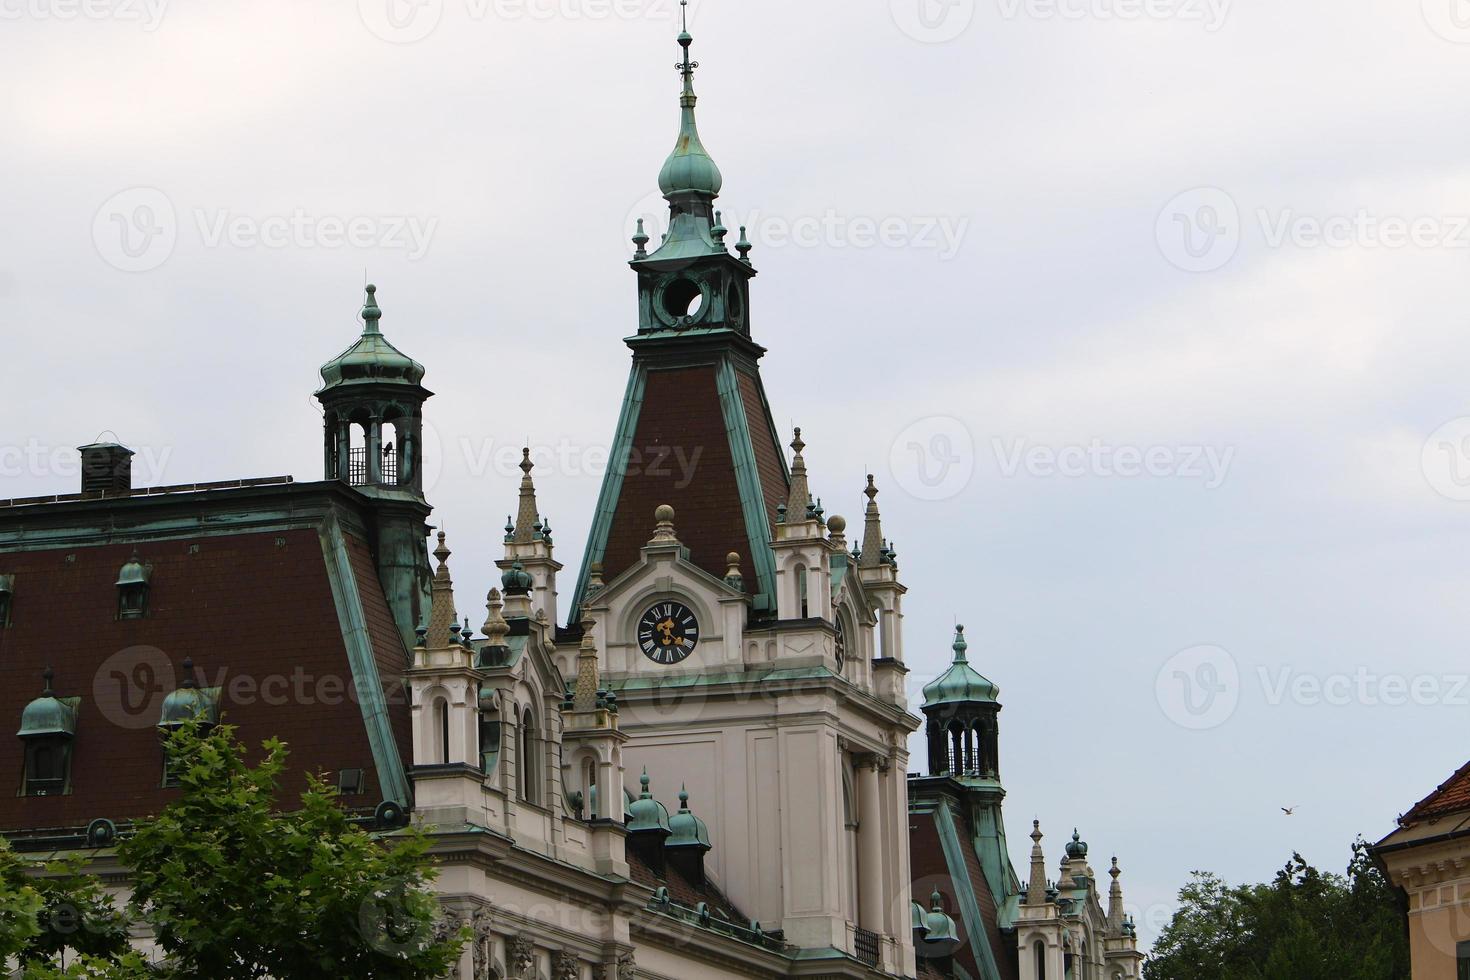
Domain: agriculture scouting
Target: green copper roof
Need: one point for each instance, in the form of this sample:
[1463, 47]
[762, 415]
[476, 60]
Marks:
[48, 714]
[687, 830]
[133, 572]
[372, 358]
[690, 168]
[188, 702]
[961, 682]
[646, 813]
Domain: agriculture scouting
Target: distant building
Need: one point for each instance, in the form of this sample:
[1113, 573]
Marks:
[695, 768]
[1428, 856]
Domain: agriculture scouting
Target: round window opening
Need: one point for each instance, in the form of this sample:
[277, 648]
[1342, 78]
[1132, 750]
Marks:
[683, 299]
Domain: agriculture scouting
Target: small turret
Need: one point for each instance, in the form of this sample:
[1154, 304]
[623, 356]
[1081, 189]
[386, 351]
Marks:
[688, 841]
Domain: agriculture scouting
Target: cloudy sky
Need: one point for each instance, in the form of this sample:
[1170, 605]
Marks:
[1150, 315]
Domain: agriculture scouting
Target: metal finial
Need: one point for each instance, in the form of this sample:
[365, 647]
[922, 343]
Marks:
[526, 465]
[47, 675]
[188, 672]
[796, 444]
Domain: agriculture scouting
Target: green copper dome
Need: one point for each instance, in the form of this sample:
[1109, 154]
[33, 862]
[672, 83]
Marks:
[372, 358]
[690, 168]
[48, 715]
[646, 813]
[1076, 847]
[516, 580]
[687, 830]
[188, 703]
[133, 572]
[960, 683]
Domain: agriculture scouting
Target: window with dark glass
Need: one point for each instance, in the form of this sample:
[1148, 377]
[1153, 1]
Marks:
[7, 589]
[47, 728]
[352, 782]
[132, 589]
[1462, 961]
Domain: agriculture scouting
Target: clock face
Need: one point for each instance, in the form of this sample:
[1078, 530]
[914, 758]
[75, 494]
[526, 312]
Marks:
[668, 633]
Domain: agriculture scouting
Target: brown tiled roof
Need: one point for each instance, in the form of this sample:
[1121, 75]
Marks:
[680, 420]
[682, 890]
[931, 871]
[769, 463]
[255, 611]
[1453, 794]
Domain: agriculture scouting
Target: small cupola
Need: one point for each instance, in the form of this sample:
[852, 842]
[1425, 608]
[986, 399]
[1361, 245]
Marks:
[648, 826]
[132, 588]
[962, 708]
[937, 938]
[47, 727]
[688, 841]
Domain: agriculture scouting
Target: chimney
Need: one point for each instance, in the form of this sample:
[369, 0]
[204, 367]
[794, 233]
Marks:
[106, 467]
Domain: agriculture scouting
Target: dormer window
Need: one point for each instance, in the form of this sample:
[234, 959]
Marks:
[48, 725]
[132, 589]
[189, 703]
[7, 590]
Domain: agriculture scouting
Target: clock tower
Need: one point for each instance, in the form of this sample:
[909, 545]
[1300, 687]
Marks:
[753, 658]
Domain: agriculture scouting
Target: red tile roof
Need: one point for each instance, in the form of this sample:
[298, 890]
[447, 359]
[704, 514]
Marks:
[684, 891]
[1452, 795]
[255, 611]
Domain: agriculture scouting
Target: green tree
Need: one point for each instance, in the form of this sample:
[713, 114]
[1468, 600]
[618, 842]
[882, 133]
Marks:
[1303, 925]
[235, 889]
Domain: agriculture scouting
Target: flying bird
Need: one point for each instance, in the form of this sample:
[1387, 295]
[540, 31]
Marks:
[1288, 810]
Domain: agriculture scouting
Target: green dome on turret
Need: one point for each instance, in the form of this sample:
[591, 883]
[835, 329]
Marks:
[646, 813]
[961, 683]
[687, 830]
[48, 714]
[689, 169]
[371, 359]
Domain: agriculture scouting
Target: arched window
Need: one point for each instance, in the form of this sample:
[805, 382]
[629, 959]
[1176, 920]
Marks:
[1040, 952]
[441, 730]
[529, 763]
[489, 737]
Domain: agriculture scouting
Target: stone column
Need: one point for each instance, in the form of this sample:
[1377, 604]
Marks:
[870, 846]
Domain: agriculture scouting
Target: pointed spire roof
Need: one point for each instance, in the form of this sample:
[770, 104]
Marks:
[584, 695]
[443, 620]
[371, 359]
[527, 517]
[961, 683]
[873, 544]
[1036, 888]
[1115, 902]
[800, 498]
[689, 169]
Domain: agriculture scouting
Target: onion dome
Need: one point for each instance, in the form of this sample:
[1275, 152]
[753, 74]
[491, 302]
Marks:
[133, 572]
[646, 813]
[516, 580]
[689, 169]
[188, 703]
[48, 714]
[371, 359]
[1077, 847]
[961, 683]
[685, 829]
[940, 937]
